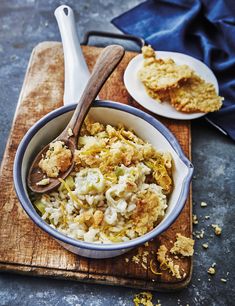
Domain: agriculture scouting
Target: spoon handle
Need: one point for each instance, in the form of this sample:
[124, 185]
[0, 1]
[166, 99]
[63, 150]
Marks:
[106, 63]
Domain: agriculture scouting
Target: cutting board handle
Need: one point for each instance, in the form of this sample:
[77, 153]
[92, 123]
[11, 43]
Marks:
[75, 67]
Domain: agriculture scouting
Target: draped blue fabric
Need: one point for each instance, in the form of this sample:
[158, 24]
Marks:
[204, 29]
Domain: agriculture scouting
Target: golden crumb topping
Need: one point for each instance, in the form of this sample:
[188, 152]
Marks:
[183, 246]
[58, 159]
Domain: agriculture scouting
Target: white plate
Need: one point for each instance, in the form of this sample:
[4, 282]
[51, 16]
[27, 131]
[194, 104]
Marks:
[137, 91]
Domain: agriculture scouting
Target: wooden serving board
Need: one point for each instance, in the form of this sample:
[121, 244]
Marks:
[25, 248]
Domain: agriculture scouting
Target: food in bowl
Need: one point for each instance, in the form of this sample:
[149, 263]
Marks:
[118, 190]
[164, 80]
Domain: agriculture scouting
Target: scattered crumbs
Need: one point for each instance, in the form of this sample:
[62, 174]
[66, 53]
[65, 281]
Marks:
[46, 23]
[203, 204]
[141, 258]
[202, 233]
[199, 279]
[217, 229]
[143, 298]
[195, 219]
[213, 265]
[70, 132]
[126, 259]
[184, 275]
[209, 279]
[227, 273]
[136, 259]
[223, 280]
[211, 271]
[166, 262]
[207, 217]
[205, 245]
[183, 246]
[43, 182]
[146, 244]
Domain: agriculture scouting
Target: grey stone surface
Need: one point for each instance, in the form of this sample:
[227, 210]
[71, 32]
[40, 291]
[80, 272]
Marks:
[23, 24]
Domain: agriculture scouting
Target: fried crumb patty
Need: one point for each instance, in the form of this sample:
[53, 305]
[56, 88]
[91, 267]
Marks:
[195, 95]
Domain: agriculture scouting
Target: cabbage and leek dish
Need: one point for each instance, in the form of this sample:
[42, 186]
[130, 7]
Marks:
[118, 190]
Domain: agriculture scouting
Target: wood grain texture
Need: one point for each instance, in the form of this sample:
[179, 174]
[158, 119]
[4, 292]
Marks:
[27, 249]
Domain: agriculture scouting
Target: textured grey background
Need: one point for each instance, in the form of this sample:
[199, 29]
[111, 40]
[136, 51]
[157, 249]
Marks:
[23, 24]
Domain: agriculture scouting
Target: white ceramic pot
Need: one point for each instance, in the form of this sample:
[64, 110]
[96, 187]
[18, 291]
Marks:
[107, 112]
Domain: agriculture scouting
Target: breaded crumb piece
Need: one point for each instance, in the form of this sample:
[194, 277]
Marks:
[148, 52]
[58, 159]
[211, 271]
[160, 75]
[166, 262]
[143, 299]
[217, 229]
[183, 246]
[195, 95]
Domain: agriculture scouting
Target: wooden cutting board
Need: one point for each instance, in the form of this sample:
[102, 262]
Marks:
[27, 249]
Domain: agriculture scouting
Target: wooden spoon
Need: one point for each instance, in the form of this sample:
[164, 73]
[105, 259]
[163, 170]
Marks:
[106, 63]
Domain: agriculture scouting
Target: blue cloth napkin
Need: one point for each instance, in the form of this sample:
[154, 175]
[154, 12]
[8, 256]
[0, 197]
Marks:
[204, 29]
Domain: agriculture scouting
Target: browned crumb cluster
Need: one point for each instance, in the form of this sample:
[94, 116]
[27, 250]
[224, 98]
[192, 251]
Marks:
[183, 246]
[164, 80]
[58, 159]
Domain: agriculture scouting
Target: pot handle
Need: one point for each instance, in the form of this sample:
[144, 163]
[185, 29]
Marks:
[138, 40]
[75, 68]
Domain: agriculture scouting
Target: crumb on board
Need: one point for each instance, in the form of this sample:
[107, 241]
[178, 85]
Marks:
[43, 182]
[166, 262]
[126, 259]
[207, 217]
[213, 265]
[211, 271]
[217, 229]
[183, 246]
[141, 258]
[203, 204]
[205, 245]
